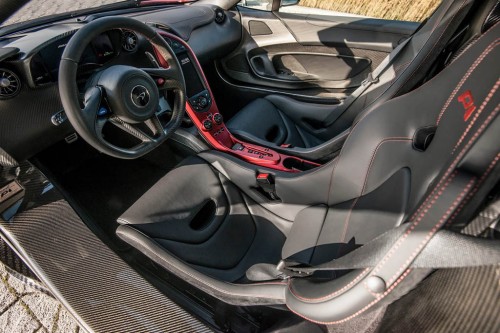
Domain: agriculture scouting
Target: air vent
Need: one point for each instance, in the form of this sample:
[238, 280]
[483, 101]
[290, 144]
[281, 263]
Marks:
[220, 16]
[129, 40]
[10, 85]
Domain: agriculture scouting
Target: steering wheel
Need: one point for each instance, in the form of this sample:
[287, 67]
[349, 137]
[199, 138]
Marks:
[124, 96]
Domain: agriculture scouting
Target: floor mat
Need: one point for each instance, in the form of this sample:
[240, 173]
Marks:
[103, 186]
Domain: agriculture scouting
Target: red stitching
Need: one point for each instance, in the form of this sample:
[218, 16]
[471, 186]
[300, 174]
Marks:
[389, 290]
[433, 78]
[375, 151]
[401, 278]
[476, 188]
[433, 230]
[494, 112]
[447, 213]
[264, 283]
[414, 224]
[445, 176]
[466, 76]
[179, 268]
[333, 294]
[420, 64]
[483, 36]
[478, 113]
[437, 41]
[374, 294]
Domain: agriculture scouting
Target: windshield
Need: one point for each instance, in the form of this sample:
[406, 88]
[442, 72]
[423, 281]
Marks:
[35, 9]
[39, 8]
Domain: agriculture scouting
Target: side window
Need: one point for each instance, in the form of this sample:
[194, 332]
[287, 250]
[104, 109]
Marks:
[265, 4]
[257, 4]
[402, 10]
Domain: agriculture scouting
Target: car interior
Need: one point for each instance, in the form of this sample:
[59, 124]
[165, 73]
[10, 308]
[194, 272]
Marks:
[226, 151]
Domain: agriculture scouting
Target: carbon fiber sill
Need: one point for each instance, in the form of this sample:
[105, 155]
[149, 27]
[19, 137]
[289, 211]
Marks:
[93, 283]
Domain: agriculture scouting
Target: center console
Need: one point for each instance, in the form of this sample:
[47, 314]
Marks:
[203, 111]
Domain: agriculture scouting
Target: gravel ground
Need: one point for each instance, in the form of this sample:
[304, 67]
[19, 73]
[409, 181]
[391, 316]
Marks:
[39, 8]
[25, 309]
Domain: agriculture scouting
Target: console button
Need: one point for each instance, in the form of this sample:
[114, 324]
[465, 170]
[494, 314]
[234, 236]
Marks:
[238, 146]
[218, 118]
[207, 124]
[202, 101]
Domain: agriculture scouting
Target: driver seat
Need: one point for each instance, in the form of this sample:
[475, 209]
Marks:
[208, 222]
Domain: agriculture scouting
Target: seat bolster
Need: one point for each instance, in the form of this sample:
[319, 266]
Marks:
[169, 214]
[303, 237]
[265, 293]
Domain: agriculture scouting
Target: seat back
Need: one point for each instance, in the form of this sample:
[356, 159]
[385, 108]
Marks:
[394, 153]
[412, 64]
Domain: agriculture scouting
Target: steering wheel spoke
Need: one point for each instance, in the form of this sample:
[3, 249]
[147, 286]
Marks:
[124, 96]
[165, 78]
[92, 103]
[131, 129]
[154, 124]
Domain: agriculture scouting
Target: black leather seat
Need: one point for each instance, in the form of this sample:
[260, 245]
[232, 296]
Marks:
[207, 222]
[307, 125]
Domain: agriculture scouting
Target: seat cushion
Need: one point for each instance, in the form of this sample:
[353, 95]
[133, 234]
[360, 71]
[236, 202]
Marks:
[199, 216]
[262, 121]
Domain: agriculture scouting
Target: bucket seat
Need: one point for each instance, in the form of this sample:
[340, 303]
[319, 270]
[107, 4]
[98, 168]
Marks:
[208, 223]
[298, 124]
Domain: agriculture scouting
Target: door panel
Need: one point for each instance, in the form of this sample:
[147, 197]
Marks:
[355, 32]
[309, 56]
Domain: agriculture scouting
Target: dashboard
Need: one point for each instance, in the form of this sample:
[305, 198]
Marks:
[44, 65]
[29, 65]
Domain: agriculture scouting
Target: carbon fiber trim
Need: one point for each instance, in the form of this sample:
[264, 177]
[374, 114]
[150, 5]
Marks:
[6, 160]
[21, 115]
[450, 300]
[484, 219]
[97, 287]
[12, 261]
[493, 17]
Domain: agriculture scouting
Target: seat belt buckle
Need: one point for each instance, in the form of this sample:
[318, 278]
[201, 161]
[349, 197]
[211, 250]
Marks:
[266, 183]
[369, 80]
[294, 272]
[286, 145]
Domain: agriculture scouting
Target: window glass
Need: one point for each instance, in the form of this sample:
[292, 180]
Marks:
[257, 4]
[403, 10]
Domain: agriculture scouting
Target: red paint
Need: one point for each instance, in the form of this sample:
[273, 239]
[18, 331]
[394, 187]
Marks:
[468, 102]
[219, 136]
[161, 61]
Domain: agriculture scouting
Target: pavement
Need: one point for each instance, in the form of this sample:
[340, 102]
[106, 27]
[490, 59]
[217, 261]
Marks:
[39, 8]
[24, 308]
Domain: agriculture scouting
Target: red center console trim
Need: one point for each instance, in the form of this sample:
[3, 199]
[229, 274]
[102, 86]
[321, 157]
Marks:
[219, 137]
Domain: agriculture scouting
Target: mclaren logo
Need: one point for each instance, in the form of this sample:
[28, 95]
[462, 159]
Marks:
[140, 96]
[468, 102]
